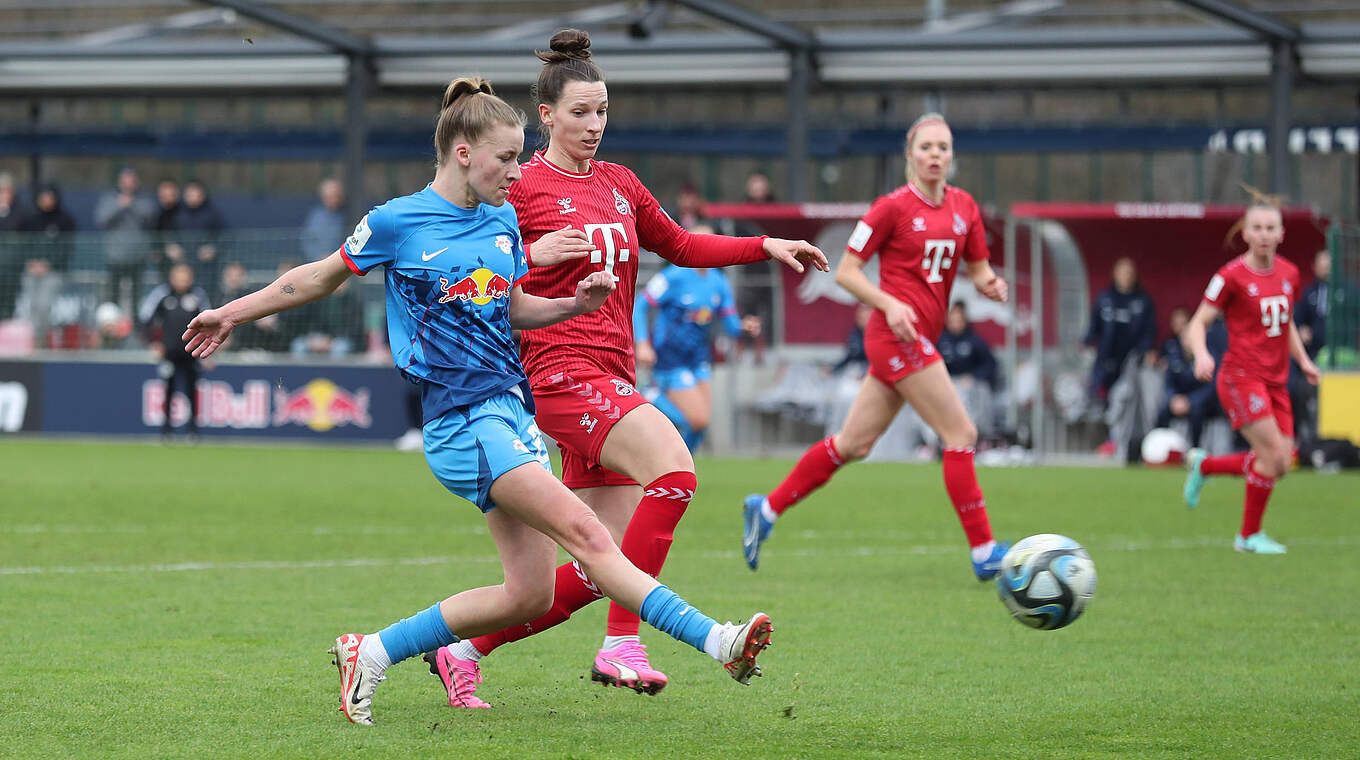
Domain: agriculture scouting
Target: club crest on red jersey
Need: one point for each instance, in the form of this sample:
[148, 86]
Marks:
[620, 202]
[960, 226]
[1251, 289]
[622, 388]
[1288, 289]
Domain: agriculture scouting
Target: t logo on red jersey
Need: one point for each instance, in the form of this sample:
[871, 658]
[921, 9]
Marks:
[611, 248]
[939, 255]
[1274, 312]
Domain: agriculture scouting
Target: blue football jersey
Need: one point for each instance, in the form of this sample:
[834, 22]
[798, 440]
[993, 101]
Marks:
[687, 302]
[450, 271]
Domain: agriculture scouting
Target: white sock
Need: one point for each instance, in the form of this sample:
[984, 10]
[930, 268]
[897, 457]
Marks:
[372, 649]
[983, 551]
[769, 514]
[612, 641]
[464, 650]
[713, 643]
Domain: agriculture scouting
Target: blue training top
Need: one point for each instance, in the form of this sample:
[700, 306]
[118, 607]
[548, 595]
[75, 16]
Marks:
[450, 271]
[686, 302]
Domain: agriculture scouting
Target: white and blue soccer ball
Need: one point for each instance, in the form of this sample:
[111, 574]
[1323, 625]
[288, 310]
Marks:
[1046, 581]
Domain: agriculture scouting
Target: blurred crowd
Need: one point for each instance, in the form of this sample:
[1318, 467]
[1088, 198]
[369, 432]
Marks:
[138, 238]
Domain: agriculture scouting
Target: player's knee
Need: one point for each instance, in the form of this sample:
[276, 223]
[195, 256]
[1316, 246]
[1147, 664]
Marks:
[959, 435]
[853, 447]
[529, 603]
[1279, 463]
[587, 539]
[697, 419]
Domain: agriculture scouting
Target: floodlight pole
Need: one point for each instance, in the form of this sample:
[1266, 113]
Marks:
[800, 83]
[1283, 63]
[360, 55]
[359, 82]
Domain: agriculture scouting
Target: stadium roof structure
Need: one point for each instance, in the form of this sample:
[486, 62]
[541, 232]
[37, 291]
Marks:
[361, 45]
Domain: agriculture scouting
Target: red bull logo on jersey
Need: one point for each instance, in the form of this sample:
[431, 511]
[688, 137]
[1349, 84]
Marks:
[321, 405]
[481, 287]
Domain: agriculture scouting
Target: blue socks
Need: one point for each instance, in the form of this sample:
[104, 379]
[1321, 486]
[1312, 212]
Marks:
[423, 632]
[664, 610]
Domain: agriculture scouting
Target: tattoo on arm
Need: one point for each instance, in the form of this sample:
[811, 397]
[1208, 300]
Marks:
[288, 288]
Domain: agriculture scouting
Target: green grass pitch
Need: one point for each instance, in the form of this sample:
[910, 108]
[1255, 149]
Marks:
[178, 602]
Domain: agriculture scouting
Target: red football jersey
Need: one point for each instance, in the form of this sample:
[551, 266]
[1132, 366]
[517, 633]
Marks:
[919, 245]
[620, 216]
[1256, 308]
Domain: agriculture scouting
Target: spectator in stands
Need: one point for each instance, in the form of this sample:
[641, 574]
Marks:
[47, 250]
[11, 212]
[854, 344]
[1123, 328]
[689, 206]
[1185, 397]
[333, 326]
[324, 229]
[10, 209]
[167, 250]
[1123, 323]
[759, 189]
[200, 230]
[126, 219]
[168, 309]
[1310, 314]
[972, 367]
[1310, 317]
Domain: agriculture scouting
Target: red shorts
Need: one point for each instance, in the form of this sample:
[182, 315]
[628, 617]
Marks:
[578, 409]
[891, 359]
[1247, 399]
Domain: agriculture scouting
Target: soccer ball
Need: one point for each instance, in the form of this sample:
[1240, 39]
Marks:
[1164, 447]
[1046, 581]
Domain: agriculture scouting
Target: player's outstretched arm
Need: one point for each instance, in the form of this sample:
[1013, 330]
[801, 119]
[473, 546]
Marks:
[987, 282]
[1193, 338]
[529, 312]
[298, 286]
[795, 253]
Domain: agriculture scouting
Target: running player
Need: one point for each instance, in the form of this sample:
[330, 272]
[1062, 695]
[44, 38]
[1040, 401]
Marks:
[676, 347]
[923, 232]
[454, 260]
[1255, 293]
[586, 216]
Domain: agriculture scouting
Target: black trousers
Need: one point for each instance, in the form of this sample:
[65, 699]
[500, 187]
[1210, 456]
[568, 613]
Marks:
[185, 368]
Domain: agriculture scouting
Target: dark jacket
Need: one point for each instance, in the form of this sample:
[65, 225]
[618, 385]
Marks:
[171, 312]
[968, 354]
[52, 237]
[1121, 323]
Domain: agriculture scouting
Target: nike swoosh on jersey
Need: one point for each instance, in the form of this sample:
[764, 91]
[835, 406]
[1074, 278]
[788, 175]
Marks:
[427, 256]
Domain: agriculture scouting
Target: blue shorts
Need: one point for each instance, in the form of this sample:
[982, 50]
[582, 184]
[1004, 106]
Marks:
[682, 378]
[470, 446]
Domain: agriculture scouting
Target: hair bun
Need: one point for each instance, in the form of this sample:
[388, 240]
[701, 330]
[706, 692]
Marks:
[567, 45]
[464, 86]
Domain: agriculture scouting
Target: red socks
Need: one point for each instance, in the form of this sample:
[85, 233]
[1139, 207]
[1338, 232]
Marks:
[572, 591]
[1228, 464]
[816, 467]
[648, 538]
[1254, 508]
[961, 482]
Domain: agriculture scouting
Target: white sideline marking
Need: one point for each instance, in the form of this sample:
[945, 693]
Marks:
[1118, 544]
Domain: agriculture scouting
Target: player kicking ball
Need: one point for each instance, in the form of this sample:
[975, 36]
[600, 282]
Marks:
[453, 260]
